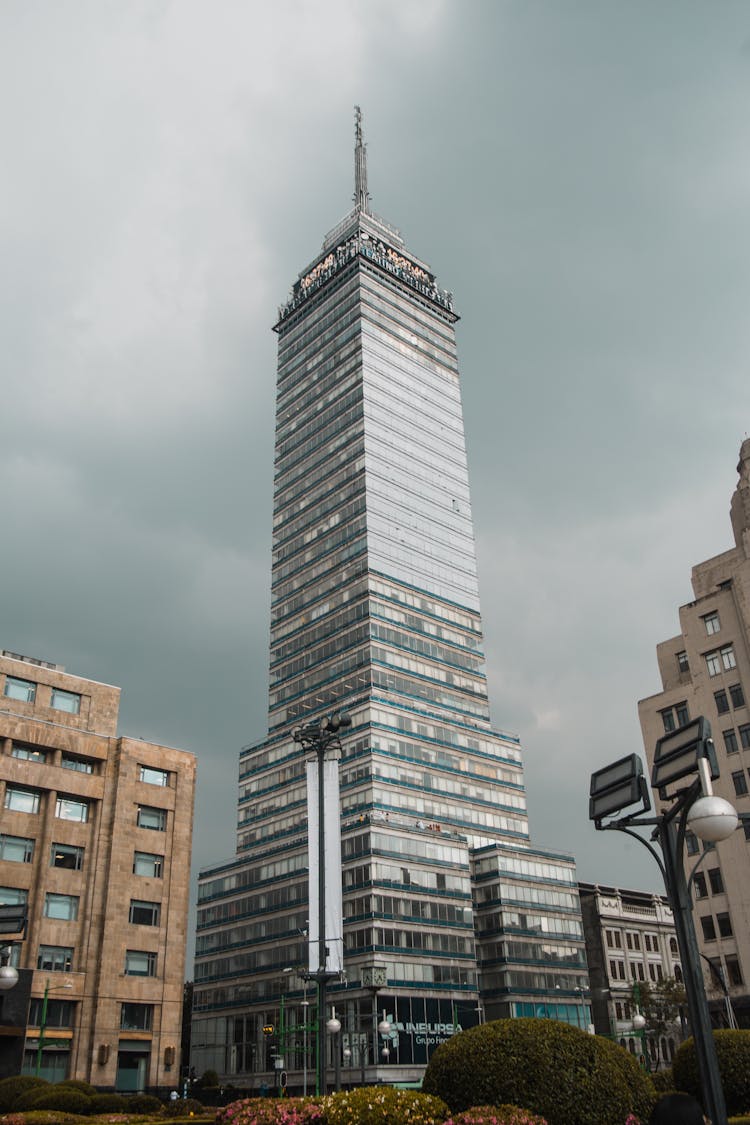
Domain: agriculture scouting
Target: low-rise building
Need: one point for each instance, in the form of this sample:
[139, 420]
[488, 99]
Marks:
[631, 949]
[95, 842]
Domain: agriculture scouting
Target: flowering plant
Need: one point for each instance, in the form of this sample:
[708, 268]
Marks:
[383, 1105]
[271, 1111]
[496, 1115]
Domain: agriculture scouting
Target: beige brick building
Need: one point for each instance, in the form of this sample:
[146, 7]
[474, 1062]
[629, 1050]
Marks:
[95, 839]
[705, 670]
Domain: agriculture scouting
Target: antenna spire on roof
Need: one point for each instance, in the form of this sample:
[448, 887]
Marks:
[361, 195]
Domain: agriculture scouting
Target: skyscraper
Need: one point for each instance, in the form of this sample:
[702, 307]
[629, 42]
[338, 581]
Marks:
[705, 670]
[375, 608]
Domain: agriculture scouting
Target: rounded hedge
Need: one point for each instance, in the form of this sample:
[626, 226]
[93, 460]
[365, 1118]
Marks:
[143, 1103]
[733, 1053]
[557, 1071]
[495, 1115]
[65, 1099]
[12, 1088]
[110, 1103]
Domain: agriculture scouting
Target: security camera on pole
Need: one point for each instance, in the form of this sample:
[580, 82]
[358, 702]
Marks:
[326, 951]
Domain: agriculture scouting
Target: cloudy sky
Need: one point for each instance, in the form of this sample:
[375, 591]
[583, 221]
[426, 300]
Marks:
[577, 172]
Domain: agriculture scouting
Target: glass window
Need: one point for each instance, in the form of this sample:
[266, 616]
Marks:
[745, 736]
[66, 808]
[730, 741]
[13, 896]
[722, 703]
[712, 663]
[725, 925]
[727, 658]
[691, 843]
[712, 623]
[682, 662]
[22, 800]
[139, 963]
[681, 711]
[699, 882]
[144, 913]
[27, 753]
[740, 783]
[54, 958]
[136, 1017]
[709, 930]
[66, 855]
[81, 764]
[746, 826]
[667, 718]
[737, 695]
[734, 972]
[59, 1013]
[16, 849]
[716, 881]
[145, 863]
[153, 776]
[155, 819]
[63, 907]
[67, 701]
[24, 690]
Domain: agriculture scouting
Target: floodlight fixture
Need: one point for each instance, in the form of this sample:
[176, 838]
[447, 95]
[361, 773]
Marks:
[678, 753]
[13, 919]
[617, 787]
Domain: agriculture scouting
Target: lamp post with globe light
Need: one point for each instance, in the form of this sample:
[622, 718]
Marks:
[685, 756]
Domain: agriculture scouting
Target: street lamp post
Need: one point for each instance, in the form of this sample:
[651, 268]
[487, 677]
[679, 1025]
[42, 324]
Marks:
[333, 1027]
[43, 1021]
[319, 737]
[680, 754]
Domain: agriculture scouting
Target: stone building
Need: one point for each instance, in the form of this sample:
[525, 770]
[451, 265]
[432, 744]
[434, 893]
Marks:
[630, 947]
[95, 841]
[705, 670]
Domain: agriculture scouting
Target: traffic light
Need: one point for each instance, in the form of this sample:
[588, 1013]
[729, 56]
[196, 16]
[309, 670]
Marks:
[268, 1029]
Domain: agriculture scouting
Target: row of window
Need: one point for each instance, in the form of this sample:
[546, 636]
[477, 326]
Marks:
[731, 744]
[736, 695]
[20, 849]
[61, 1013]
[633, 941]
[721, 659]
[149, 774]
[709, 926]
[25, 691]
[65, 907]
[69, 808]
[637, 971]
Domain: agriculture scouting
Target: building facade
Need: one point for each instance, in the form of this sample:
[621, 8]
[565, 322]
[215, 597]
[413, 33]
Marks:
[95, 841]
[375, 609]
[705, 670]
[631, 949]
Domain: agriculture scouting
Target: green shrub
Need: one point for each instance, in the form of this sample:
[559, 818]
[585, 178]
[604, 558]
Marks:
[12, 1088]
[271, 1111]
[112, 1103]
[208, 1078]
[143, 1103]
[55, 1097]
[663, 1081]
[382, 1105]
[495, 1115]
[733, 1053]
[557, 1071]
[182, 1107]
[78, 1084]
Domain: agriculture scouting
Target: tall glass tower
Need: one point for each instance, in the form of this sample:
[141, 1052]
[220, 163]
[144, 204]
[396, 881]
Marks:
[375, 609]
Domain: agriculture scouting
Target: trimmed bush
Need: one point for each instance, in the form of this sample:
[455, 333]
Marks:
[78, 1084]
[143, 1103]
[663, 1081]
[111, 1103]
[382, 1105]
[271, 1111]
[56, 1097]
[733, 1053]
[182, 1107]
[495, 1115]
[557, 1071]
[12, 1088]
